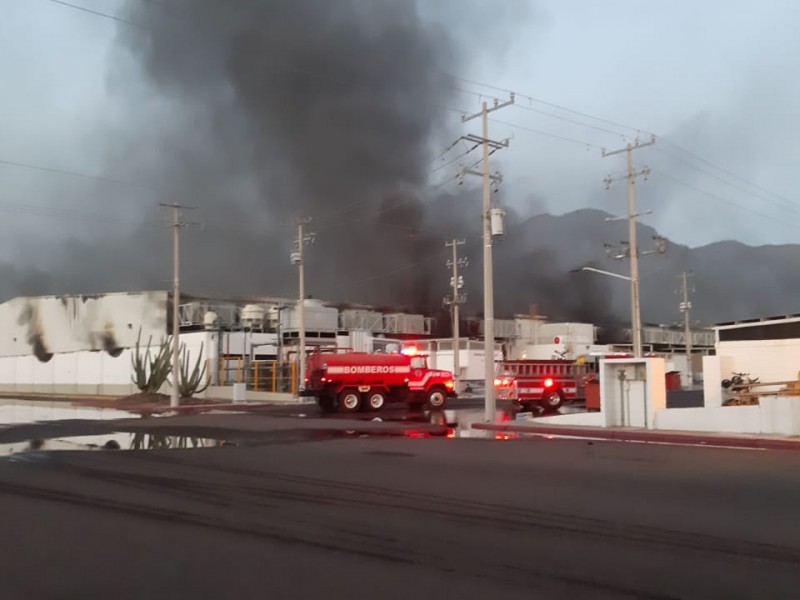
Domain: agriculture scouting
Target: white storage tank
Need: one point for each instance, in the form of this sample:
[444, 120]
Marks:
[210, 320]
[273, 318]
[253, 316]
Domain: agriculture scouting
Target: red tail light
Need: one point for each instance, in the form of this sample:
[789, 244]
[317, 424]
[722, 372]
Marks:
[548, 383]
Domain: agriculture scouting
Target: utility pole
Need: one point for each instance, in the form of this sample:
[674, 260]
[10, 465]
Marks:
[176, 225]
[488, 283]
[456, 283]
[636, 317]
[686, 308]
[297, 259]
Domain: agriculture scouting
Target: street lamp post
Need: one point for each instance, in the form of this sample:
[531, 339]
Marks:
[636, 324]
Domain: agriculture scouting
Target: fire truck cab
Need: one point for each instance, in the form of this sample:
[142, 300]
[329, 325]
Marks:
[548, 383]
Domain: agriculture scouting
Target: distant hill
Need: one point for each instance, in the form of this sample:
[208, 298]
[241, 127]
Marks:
[534, 259]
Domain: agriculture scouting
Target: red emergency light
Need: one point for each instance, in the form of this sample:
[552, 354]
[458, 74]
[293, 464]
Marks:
[548, 383]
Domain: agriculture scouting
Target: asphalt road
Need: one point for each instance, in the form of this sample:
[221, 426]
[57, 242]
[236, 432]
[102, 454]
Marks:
[310, 508]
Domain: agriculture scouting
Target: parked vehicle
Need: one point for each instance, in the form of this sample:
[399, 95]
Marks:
[740, 387]
[349, 381]
[549, 383]
[739, 381]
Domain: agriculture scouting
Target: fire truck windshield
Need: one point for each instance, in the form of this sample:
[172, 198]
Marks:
[418, 362]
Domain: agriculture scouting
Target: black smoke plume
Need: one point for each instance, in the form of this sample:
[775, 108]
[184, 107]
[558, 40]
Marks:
[276, 110]
[262, 112]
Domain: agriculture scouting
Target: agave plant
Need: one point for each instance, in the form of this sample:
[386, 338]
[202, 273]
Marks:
[150, 372]
[195, 382]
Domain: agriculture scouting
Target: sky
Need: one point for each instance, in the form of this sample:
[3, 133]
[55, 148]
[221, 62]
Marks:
[714, 81]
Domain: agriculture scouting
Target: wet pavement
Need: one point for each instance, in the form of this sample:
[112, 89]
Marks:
[35, 426]
[29, 431]
[303, 507]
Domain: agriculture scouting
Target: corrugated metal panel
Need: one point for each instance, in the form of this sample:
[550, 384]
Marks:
[318, 317]
[366, 320]
[406, 323]
[503, 328]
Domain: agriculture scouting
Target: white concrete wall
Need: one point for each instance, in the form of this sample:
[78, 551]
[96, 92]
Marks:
[588, 419]
[769, 360]
[780, 415]
[74, 323]
[774, 415]
[713, 369]
[729, 419]
[86, 372]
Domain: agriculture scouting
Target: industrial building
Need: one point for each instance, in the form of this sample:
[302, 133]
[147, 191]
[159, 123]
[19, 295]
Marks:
[767, 349]
[84, 343]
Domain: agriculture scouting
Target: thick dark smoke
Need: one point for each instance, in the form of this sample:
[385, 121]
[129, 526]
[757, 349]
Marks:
[278, 110]
[260, 112]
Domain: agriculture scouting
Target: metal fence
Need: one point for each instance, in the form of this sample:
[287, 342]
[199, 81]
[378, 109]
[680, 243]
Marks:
[259, 375]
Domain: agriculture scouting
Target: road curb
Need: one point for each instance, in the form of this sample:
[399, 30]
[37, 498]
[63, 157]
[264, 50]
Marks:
[647, 436]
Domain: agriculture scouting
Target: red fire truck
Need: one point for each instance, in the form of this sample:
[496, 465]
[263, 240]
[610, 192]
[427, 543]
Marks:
[549, 383]
[348, 381]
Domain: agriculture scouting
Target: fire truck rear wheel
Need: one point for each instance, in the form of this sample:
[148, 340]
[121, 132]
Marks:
[375, 400]
[436, 397]
[349, 400]
[552, 400]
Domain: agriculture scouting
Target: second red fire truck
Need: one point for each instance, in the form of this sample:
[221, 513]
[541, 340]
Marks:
[548, 383]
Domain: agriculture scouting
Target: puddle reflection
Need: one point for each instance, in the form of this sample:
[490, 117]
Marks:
[110, 442]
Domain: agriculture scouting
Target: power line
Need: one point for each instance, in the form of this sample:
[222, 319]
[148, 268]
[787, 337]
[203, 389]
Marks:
[95, 12]
[530, 98]
[456, 159]
[546, 134]
[48, 211]
[721, 199]
[25, 165]
[723, 170]
[551, 104]
[553, 115]
[628, 127]
[569, 120]
[445, 151]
